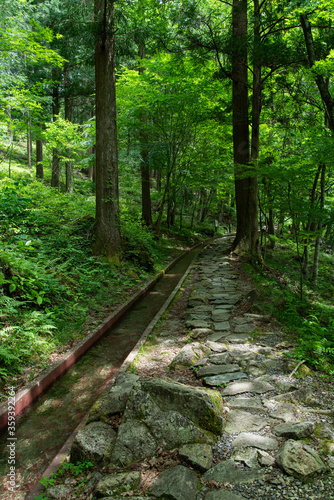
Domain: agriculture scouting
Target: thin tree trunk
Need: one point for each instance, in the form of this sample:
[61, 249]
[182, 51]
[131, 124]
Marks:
[310, 220]
[55, 176]
[29, 148]
[107, 221]
[315, 270]
[39, 156]
[68, 116]
[144, 164]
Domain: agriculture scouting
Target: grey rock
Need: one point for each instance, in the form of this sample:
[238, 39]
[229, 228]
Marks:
[253, 404]
[228, 472]
[241, 387]
[218, 359]
[220, 315]
[202, 309]
[222, 494]
[245, 328]
[248, 439]
[223, 326]
[217, 380]
[300, 395]
[325, 431]
[271, 363]
[284, 386]
[249, 456]
[284, 411]
[198, 456]
[243, 355]
[239, 421]
[59, 491]
[113, 402]
[201, 362]
[242, 321]
[294, 430]
[238, 338]
[265, 459]
[96, 476]
[298, 459]
[254, 369]
[197, 323]
[116, 484]
[207, 371]
[93, 443]
[201, 406]
[168, 414]
[177, 483]
[216, 346]
[217, 336]
[188, 355]
[197, 333]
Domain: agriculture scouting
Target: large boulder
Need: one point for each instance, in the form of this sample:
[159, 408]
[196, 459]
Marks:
[162, 413]
[93, 443]
[300, 460]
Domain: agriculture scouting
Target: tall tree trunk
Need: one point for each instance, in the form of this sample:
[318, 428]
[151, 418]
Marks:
[144, 164]
[310, 220]
[29, 145]
[245, 185]
[107, 222]
[68, 116]
[55, 176]
[39, 155]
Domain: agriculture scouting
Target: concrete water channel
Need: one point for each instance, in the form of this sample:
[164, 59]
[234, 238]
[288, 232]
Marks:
[46, 425]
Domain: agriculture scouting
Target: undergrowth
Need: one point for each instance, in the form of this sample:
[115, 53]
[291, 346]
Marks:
[51, 286]
[310, 321]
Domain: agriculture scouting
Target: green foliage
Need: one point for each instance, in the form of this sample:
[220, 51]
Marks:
[67, 469]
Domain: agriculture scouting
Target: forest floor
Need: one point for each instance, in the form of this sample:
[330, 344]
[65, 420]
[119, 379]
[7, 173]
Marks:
[273, 351]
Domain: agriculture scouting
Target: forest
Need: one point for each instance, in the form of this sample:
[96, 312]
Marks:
[129, 128]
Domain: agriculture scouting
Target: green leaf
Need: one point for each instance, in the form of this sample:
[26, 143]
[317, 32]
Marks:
[12, 287]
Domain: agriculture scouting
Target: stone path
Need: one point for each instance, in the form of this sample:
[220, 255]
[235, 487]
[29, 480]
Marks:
[276, 442]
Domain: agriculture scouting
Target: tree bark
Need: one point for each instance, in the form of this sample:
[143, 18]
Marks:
[144, 164]
[315, 269]
[55, 175]
[39, 156]
[107, 223]
[68, 116]
[245, 184]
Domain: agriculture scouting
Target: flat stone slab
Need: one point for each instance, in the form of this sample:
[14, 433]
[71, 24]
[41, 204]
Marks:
[117, 483]
[238, 338]
[249, 439]
[300, 460]
[294, 430]
[216, 346]
[228, 472]
[242, 321]
[197, 333]
[295, 396]
[253, 404]
[243, 355]
[256, 387]
[215, 337]
[177, 483]
[283, 411]
[224, 378]
[246, 328]
[222, 326]
[198, 456]
[219, 315]
[207, 371]
[218, 359]
[239, 421]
